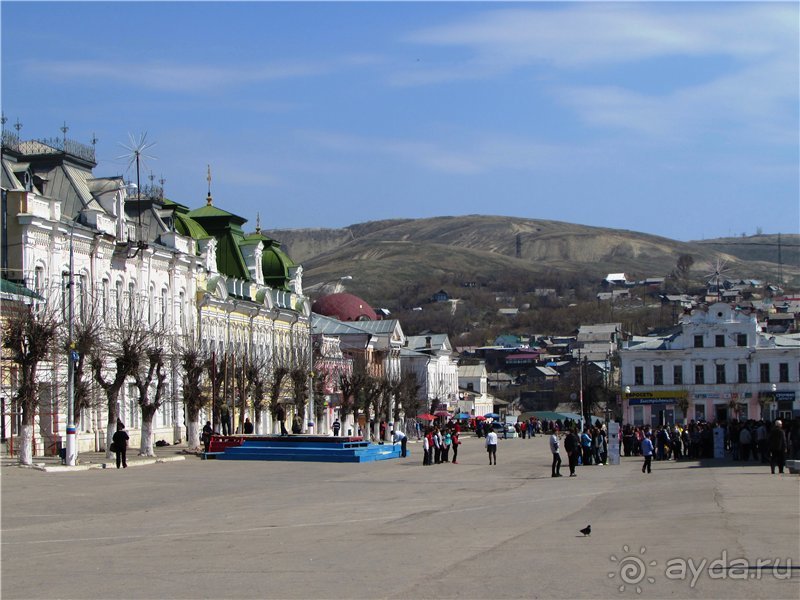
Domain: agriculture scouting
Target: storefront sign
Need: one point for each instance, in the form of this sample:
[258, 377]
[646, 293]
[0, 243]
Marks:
[651, 401]
[670, 394]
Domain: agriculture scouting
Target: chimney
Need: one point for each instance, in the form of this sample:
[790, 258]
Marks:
[427, 341]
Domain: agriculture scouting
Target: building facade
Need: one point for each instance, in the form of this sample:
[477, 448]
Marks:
[718, 364]
[127, 254]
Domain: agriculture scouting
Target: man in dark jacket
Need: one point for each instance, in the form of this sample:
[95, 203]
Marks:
[571, 446]
[777, 447]
[120, 440]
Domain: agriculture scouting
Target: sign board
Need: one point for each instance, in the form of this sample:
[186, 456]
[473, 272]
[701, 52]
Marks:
[613, 443]
[651, 401]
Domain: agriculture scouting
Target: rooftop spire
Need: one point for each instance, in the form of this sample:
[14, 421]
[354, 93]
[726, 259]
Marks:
[209, 200]
[258, 222]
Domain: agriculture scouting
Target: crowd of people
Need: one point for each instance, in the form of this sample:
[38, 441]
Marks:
[742, 440]
[437, 442]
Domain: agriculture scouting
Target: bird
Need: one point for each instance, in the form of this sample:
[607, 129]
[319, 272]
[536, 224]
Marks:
[587, 530]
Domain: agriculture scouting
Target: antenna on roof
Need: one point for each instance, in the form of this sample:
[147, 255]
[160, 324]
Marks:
[161, 182]
[94, 139]
[64, 129]
[136, 149]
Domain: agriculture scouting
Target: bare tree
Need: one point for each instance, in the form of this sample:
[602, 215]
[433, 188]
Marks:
[216, 367]
[29, 335]
[257, 372]
[352, 384]
[125, 346]
[299, 375]
[280, 371]
[408, 394]
[86, 336]
[150, 400]
[193, 363]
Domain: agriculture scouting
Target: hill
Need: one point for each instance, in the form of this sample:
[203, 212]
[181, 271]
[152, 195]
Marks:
[387, 257]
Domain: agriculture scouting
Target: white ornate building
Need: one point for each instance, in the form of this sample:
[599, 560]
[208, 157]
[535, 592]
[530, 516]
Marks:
[720, 362]
[193, 275]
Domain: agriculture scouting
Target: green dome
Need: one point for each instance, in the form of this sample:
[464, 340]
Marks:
[185, 225]
[275, 265]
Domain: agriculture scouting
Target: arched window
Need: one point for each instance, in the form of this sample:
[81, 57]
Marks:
[164, 305]
[119, 301]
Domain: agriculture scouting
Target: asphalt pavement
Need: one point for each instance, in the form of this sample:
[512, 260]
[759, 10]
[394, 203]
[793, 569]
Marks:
[189, 528]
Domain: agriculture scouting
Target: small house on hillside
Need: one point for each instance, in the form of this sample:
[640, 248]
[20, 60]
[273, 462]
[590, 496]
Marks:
[440, 296]
[615, 280]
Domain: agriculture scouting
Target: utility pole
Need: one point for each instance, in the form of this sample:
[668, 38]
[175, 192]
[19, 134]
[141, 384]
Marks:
[580, 379]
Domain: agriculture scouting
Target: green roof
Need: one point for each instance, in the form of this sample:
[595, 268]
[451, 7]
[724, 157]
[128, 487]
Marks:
[187, 226]
[16, 289]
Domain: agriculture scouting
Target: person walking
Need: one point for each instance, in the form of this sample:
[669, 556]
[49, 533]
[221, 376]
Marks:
[448, 440]
[280, 415]
[556, 467]
[572, 447]
[777, 447]
[399, 436]
[206, 436]
[586, 447]
[456, 444]
[120, 440]
[427, 447]
[745, 441]
[491, 446]
[647, 452]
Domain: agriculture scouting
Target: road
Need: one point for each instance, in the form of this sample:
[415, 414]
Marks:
[396, 529]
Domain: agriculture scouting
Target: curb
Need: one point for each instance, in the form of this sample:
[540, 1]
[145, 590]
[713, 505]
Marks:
[105, 465]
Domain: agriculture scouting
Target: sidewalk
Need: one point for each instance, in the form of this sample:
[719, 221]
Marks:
[98, 460]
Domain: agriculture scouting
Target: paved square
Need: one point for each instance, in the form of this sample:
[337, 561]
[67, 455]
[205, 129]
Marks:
[395, 529]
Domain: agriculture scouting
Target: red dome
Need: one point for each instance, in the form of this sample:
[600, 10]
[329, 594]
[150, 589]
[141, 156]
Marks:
[345, 307]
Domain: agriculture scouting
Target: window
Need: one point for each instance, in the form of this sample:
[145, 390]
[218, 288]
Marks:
[719, 341]
[741, 339]
[119, 301]
[104, 299]
[181, 313]
[763, 372]
[638, 375]
[720, 373]
[698, 341]
[658, 375]
[38, 281]
[699, 412]
[783, 372]
[164, 304]
[699, 375]
[742, 373]
[677, 374]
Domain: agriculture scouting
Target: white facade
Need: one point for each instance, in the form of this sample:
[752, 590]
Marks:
[720, 361]
[58, 214]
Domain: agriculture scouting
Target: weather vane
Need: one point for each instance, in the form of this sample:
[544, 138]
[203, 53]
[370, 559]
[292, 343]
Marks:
[208, 178]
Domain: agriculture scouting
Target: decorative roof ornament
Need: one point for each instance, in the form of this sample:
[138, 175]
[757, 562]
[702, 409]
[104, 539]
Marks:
[258, 222]
[209, 200]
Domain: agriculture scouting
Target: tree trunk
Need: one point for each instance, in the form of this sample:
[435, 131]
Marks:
[146, 444]
[111, 427]
[25, 445]
[193, 434]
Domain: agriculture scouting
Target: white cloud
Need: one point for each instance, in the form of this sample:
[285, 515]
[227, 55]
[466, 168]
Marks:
[591, 34]
[187, 77]
[456, 155]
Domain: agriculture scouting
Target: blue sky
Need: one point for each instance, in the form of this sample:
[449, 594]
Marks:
[676, 119]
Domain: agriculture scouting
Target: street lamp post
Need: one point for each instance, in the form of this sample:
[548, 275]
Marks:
[71, 454]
